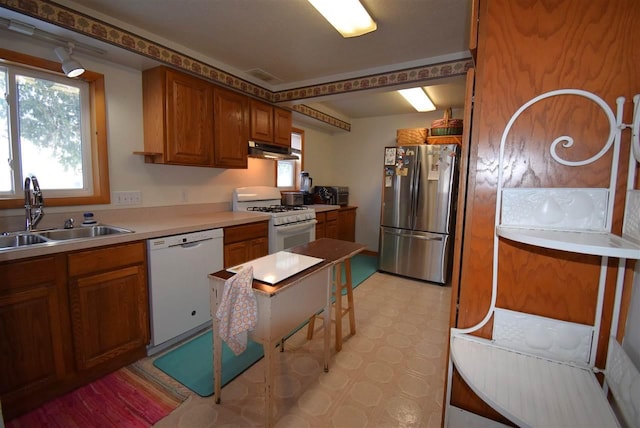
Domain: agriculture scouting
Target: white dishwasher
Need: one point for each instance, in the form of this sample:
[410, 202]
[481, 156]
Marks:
[179, 286]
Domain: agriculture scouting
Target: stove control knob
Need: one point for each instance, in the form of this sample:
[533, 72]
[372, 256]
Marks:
[277, 221]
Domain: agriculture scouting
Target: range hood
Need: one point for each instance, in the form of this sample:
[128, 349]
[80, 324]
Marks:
[269, 151]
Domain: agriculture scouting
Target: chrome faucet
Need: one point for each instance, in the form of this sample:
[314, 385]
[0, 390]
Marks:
[32, 200]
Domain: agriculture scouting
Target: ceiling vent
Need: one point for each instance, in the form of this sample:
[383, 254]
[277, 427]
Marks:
[263, 75]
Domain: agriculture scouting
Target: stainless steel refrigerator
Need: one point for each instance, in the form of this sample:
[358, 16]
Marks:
[418, 210]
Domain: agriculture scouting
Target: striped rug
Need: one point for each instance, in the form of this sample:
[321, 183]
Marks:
[128, 398]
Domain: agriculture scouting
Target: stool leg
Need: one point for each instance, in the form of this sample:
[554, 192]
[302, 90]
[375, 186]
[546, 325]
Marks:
[312, 322]
[338, 305]
[352, 314]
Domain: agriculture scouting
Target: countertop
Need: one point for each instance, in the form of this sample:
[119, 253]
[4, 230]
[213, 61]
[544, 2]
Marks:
[332, 251]
[147, 223]
[147, 226]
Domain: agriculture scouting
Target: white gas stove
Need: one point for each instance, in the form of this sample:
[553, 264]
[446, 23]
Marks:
[289, 225]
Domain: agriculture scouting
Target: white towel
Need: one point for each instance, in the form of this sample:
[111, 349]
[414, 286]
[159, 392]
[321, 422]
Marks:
[238, 310]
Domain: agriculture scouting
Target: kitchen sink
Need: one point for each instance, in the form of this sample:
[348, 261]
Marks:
[20, 240]
[13, 240]
[81, 232]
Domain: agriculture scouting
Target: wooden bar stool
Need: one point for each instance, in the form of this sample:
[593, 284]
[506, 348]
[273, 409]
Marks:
[339, 311]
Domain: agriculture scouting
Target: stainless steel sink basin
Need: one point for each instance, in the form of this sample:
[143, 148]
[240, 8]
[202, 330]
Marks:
[23, 239]
[20, 240]
[81, 232]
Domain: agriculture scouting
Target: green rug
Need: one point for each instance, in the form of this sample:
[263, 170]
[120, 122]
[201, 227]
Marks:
[191, 363]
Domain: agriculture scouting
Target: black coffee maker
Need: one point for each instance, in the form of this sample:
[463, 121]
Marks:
[306, 186]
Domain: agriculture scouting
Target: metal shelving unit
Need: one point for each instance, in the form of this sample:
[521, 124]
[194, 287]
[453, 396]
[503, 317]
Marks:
[539, 371]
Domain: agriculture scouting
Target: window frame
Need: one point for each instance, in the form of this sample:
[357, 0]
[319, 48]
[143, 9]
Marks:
[296, 175]
[98, 126]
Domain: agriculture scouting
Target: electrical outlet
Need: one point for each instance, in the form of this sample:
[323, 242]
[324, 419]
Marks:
[132, 197]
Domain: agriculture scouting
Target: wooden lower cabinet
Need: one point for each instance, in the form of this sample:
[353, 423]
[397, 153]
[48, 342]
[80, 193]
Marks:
[245, 242]
[35, 348]
[327, 224]
[110, 298]
[347, 223]
[68, 319]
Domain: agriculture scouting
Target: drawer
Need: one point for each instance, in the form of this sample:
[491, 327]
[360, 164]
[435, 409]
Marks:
[245, 232]
[106, 258]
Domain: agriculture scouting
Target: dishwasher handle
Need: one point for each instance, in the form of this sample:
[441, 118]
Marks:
[190, 244]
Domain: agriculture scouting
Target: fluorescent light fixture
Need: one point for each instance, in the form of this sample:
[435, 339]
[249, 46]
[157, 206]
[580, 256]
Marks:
[349, 17]
[418, 98]
[70, 65]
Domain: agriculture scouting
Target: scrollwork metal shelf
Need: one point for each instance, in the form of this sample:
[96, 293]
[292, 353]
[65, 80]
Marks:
[533, 367]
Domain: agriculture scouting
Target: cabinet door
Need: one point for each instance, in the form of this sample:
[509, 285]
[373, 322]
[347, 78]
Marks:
[258, 248]
[347, 224]
[282, 127]
[109, 315]
[235, 253]
[34, 341]
[231, 129]
[109, 304]
[189, 120]
[331, 226]
[261, 121]
[321, 219]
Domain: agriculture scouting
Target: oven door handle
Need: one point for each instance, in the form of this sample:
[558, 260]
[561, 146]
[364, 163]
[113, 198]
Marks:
[295, 227]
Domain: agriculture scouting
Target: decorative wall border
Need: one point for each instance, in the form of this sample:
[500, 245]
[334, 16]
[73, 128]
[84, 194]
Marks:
[62, 16]
[322, 117]
[381, 80]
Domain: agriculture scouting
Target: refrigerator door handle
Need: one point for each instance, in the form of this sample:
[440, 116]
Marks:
[414, 192]
[422, 237]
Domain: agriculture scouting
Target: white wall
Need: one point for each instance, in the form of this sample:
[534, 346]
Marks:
[355, 159]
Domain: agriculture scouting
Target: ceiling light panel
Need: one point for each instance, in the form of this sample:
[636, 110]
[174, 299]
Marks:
[349, 17]
[418, 99]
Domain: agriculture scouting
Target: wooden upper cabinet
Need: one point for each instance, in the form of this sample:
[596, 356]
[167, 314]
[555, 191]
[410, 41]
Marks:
[178, 117]
[231, 130]
[282, 127]
[270, 124]
[261, 121]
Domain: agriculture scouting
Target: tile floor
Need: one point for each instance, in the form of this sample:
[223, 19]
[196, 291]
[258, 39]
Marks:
[390, 374]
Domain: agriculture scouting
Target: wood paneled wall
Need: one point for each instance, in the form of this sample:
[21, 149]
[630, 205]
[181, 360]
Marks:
[526, 48]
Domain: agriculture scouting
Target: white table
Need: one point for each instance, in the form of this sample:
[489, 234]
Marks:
[285, 306]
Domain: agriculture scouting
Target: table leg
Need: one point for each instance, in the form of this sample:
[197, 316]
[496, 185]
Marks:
[268, 388]
[349, 284]
[338, 305]
[327, 322]
[217, 356]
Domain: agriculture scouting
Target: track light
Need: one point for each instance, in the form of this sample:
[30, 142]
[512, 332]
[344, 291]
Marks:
[70, 65]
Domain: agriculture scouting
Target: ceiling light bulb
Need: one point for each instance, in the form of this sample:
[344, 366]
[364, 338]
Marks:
[70, 65]
[418, 99]
[349, 17]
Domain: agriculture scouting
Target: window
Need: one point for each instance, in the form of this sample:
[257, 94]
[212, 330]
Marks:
[45, 132]
[54, 128]
[288, 171]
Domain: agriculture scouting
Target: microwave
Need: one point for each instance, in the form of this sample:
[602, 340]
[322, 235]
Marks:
[331, 195]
